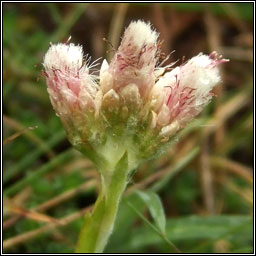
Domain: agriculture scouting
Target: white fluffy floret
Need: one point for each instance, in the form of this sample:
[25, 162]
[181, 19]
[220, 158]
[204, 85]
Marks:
[64, 56]
[200, 73]
[140, 33]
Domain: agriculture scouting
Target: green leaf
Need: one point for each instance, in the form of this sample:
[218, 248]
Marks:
[125, 220]
[155, 207]
[195, 229]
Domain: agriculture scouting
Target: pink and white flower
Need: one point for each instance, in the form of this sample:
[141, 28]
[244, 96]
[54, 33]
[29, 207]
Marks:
[70, 85]
[184, 91]
[134, 62]
[131, 84]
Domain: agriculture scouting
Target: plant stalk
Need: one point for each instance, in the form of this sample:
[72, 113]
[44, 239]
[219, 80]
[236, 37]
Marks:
[98, 224]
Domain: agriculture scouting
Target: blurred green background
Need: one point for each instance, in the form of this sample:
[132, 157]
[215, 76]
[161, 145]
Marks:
[205, 180]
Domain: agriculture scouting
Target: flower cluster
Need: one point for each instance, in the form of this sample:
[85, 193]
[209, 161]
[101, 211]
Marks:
[133, 106]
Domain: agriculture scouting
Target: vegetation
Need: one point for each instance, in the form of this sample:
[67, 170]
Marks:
[205, 180]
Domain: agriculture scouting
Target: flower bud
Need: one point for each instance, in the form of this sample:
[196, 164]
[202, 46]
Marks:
[187, 89]
[135, 59]
[71, 88]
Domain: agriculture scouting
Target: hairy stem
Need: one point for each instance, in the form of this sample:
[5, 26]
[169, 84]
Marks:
[98, 224]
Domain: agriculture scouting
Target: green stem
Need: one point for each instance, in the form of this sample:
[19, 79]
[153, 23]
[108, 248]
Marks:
[99, 224]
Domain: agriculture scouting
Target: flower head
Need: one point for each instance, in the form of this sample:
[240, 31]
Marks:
[135, 59]
[133, 103]
[71, 88]
[186, 89]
